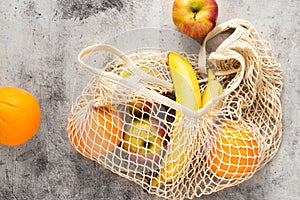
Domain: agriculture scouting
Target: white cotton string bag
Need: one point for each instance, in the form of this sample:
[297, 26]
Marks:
[116, 113]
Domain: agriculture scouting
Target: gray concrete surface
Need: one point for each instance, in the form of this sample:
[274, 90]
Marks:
[39, 42]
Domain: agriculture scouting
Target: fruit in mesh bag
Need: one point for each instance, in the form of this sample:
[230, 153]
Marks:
[195, 18]
[99, 135]
[139, 106]
[185, 81]
[19, 116]
[148, 70]
[212, 90]
[187, 93]
[146, 139]
[236, 151]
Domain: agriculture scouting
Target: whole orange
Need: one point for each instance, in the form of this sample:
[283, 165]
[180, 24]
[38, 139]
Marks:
[235, 153]
[19, 116]
[101, 133]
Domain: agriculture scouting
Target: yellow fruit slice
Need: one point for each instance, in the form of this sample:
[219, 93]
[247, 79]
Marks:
[185, 81]
[187, 93]
[212, 90]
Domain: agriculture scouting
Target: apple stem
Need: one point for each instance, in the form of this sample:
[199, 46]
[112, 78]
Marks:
[195, 9]
[195, 13]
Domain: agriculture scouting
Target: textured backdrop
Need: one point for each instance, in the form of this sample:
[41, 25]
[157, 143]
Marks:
[39, 42]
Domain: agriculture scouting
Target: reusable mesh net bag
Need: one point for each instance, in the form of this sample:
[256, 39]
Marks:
[127, 118]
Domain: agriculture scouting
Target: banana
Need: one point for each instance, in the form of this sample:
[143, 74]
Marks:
[212, 90]
[185, 81]
[188, 94]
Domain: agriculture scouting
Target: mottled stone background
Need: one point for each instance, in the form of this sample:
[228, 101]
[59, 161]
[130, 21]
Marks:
[39, 42]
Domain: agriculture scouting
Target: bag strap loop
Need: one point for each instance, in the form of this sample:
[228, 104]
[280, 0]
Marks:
[236, 24]
[137, 76]
[224, 53]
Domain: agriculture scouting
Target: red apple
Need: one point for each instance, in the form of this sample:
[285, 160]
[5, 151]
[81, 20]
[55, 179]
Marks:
[146, 140]
[140, 105]
[195, 18]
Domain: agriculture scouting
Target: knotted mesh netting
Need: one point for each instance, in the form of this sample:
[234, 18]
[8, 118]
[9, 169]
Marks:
[127, 118]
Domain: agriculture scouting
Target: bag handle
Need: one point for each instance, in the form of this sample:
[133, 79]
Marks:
[238, 25]
[223, 53]
[134, 80]
[137, 76]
